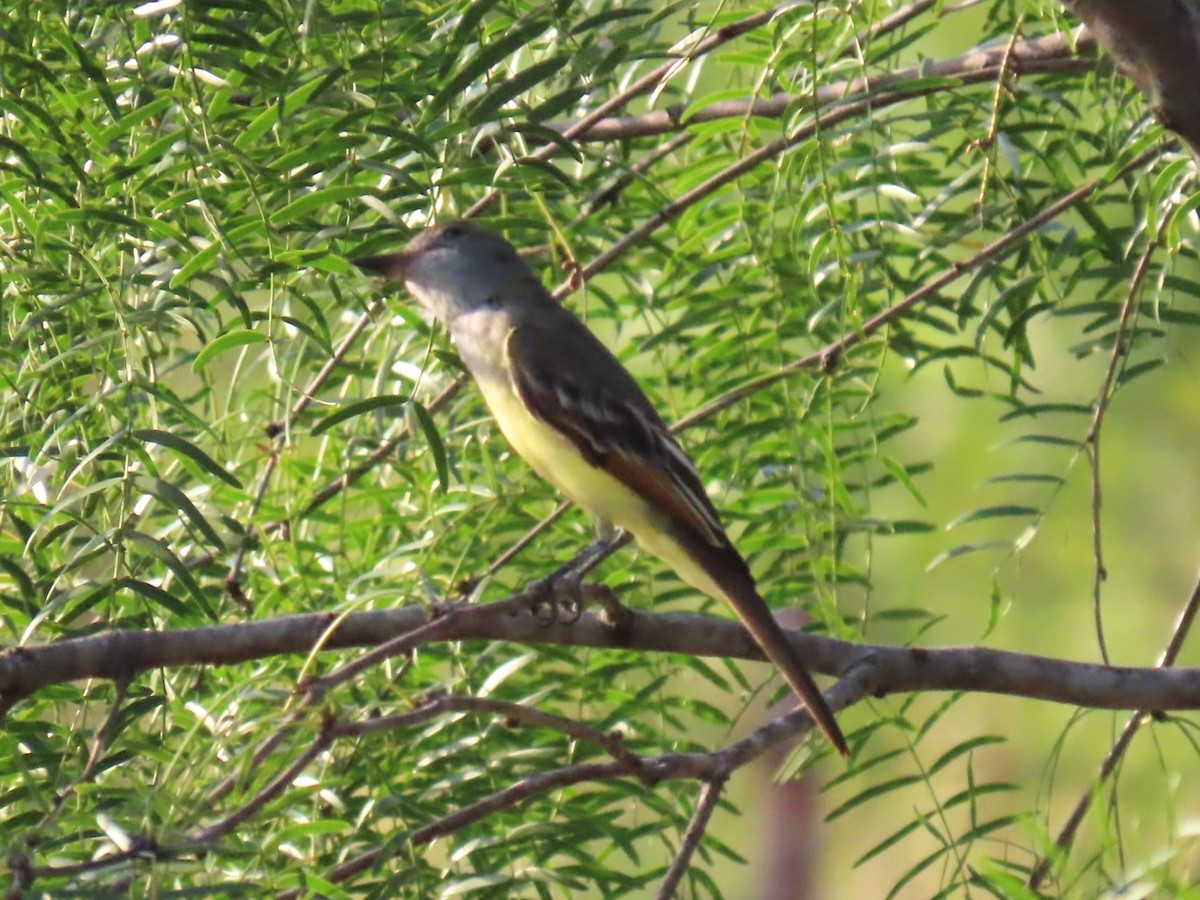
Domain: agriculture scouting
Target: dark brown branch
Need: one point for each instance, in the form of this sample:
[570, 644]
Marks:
[710, 794]
[715, 766]
[1117, 355]
[1049, 54]
[831, 353]
[887, 670]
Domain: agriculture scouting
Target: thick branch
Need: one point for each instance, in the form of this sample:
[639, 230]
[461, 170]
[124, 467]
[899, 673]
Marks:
[1052, 53]
[883, 670]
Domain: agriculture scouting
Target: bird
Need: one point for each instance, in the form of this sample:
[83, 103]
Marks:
[576, 415]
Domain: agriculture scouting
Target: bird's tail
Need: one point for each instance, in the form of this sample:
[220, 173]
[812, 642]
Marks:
[730, 574]
[720, 572]
[757, 618]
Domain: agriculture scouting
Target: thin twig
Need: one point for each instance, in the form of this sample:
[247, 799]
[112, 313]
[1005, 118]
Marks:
[351, 476]
[94, 754]
[1049, 54]
[1066, 836]
[710, 795]
[382, 452]
[643, 85]
[528, 538]
[142, 849]
[233, 579]
[278, 431]
[269, 792]
[989, 141]
[260, 756]
[306, 396]
[714, 766]
[609, 742]
[829, 355]
[893, 21]
[1092, 441]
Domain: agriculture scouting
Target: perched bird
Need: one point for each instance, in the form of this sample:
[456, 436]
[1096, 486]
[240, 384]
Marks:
[580, 420]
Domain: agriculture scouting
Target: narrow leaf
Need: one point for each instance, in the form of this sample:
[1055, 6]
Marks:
[240, 337]
[388, 401]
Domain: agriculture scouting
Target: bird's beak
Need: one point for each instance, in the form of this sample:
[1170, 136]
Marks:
[392, 266]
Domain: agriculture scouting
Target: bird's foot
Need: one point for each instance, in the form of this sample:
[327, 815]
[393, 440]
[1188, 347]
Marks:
[557, 598]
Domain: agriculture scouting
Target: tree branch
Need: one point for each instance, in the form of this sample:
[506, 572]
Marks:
[713, 767]
[884, 670]
[1049, 54]
[710, 795]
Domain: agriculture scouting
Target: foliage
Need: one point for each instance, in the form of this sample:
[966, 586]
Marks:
[182, 186]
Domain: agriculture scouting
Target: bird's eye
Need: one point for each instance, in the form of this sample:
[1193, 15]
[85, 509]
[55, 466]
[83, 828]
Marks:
[453, 233]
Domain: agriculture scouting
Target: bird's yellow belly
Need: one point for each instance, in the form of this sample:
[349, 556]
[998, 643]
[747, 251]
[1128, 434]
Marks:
[557, 460]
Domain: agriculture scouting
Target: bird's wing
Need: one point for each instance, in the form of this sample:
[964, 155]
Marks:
[570, 381]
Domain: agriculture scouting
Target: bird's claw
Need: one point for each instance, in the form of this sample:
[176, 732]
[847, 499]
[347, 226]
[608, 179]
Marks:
[557, 599]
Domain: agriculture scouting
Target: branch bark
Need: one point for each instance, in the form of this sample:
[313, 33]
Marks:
[879, 669]
[1048, 54]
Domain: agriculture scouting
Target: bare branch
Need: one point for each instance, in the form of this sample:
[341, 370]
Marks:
[270, 791]
[1052, 53]
[1092, 441]
[831, 353]
[610, 742]
[710, 794]
[1066, 836]
[261, 754]
[886, 670]
[94, 755]
[713, 767]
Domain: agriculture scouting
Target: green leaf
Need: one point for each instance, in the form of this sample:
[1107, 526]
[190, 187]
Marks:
[487, 57]
[173, 496]
[239, 337]
[188, 449]
[199, 261]
[390, 401]
[486, 107]
[964, 549]
[322, 197]
[163, 553]
[155, 595]
[435, 443]
[994, 512]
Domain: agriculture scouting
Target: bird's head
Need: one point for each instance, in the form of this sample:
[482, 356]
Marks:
[456, 268]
